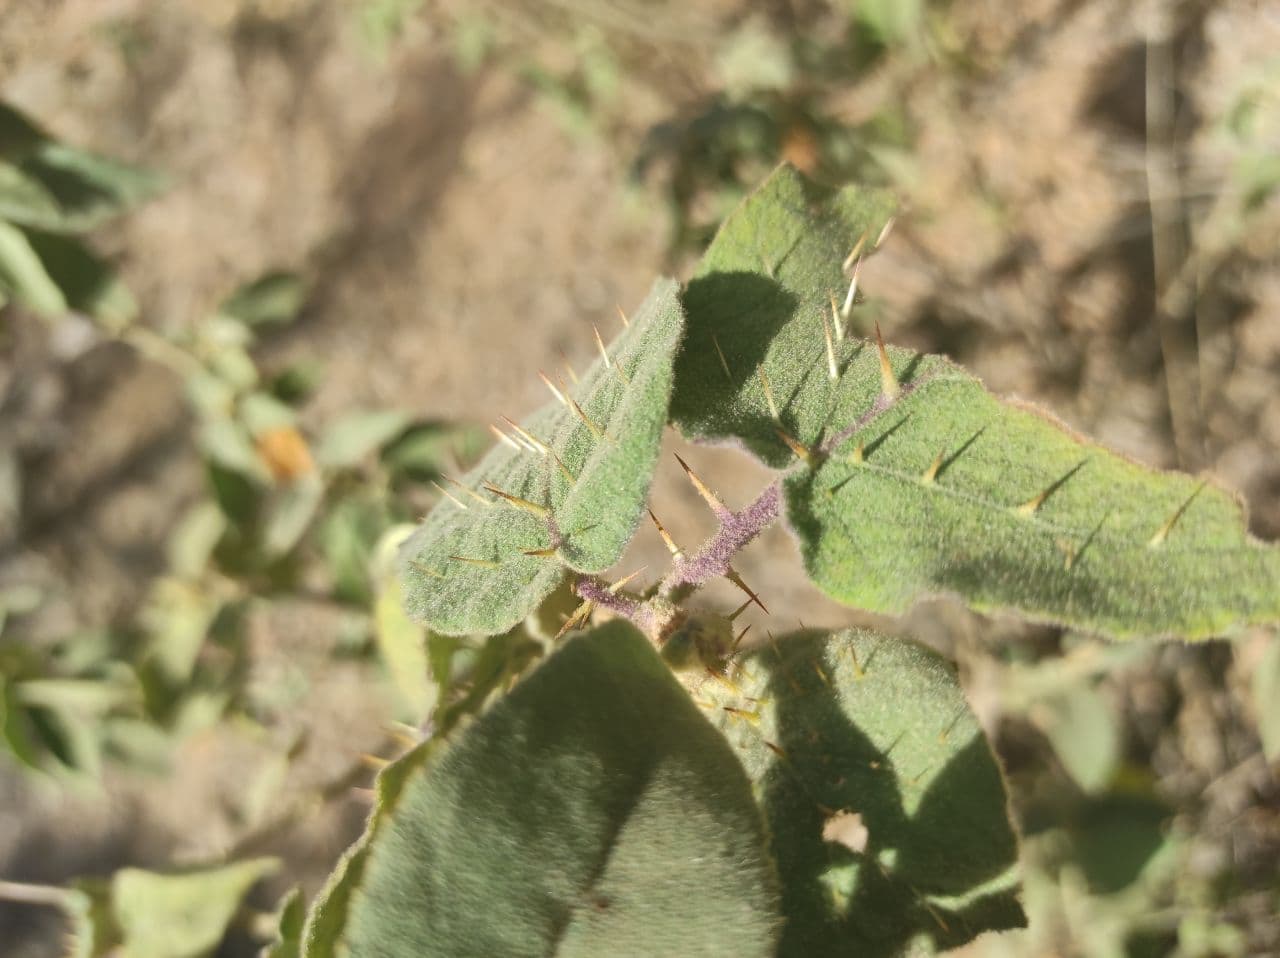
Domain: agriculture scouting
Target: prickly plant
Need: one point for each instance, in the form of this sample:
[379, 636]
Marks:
[812, 794]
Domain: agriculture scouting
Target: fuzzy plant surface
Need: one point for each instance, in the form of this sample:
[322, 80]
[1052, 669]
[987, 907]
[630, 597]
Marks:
[907, 478]
[886, 808]
[592, 811]
[563, 490]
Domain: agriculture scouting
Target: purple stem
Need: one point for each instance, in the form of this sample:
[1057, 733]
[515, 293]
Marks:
[736, 530]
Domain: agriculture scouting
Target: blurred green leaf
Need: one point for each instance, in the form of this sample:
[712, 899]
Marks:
[426, 449]
[275, 297]
[88, 284]
[261, 412]
[348, 535]
[195, 537]
[226, 443]
[358, 435]
[289, 514]
[151, 915]
[1266, 699]
[402, 645]
[1079, 724]
[291, 917]
[53, 186]
[23, 277]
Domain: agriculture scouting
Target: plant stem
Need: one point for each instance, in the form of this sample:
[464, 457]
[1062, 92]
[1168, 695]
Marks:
[51, 896]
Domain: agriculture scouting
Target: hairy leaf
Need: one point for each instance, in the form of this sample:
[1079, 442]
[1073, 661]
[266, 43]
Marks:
[886, 808]
[929, 484]
[592, 811]
[468, 568]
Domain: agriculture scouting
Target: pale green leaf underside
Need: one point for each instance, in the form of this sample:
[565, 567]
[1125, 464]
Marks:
[621, 826]
[879, 727]
[595, 513]
[1096, 553]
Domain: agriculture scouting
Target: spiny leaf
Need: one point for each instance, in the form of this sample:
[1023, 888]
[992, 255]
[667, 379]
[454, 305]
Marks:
[917, 481]
[572, 478]
[620, 826]
[759, 303]
[886, 809]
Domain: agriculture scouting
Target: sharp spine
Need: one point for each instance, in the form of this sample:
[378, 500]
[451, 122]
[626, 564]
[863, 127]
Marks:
[888, 381]
[525, 504]
[711, 499]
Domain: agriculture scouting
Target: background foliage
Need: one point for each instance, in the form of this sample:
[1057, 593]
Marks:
[232, 354]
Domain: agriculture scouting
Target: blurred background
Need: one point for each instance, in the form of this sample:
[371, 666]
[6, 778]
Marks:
[269, 266]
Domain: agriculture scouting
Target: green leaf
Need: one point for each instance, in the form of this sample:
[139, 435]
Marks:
[1079, 724]
[402, 645]
[292, 916]
[88, 284]
[467, 569]
[622, 825]
[289, 514]
[944, 488]
[831, 727]
[424, 450]
[275, 297]
[49, 185]
[758, 300]
[358, 435]
[1266, 699]
[150, 915]
[23, 276]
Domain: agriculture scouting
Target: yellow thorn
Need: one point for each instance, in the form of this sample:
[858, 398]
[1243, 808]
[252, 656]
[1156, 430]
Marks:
[853, 292]
[564, 470]
[1163, 532]
[720, 352]
[546, 553]
[836, 322]
[859, 453]
[931, 473]
[737, 580]
[503, 438]
[534, 443]
[554, 389]
[826, 679]
[567, 368]
[604, 353]
[1068, 553]
[449, 495]
[623, 316]
[580, 615]
[675, 550]
[768, 395]
[741, 635]
[740, 609]
[525, 504]
[625, 579]
[884, 233]
[888, 381]
[426, 570]
[1030, 507]
[482, 563]
[708, 496]
[595, 430]
[801, 451]
[856, 252]
[374, 761]
[469, 491]
[776, 750]
[833, 370]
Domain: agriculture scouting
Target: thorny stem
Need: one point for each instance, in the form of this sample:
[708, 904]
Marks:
[737, 529]
[658, 614]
